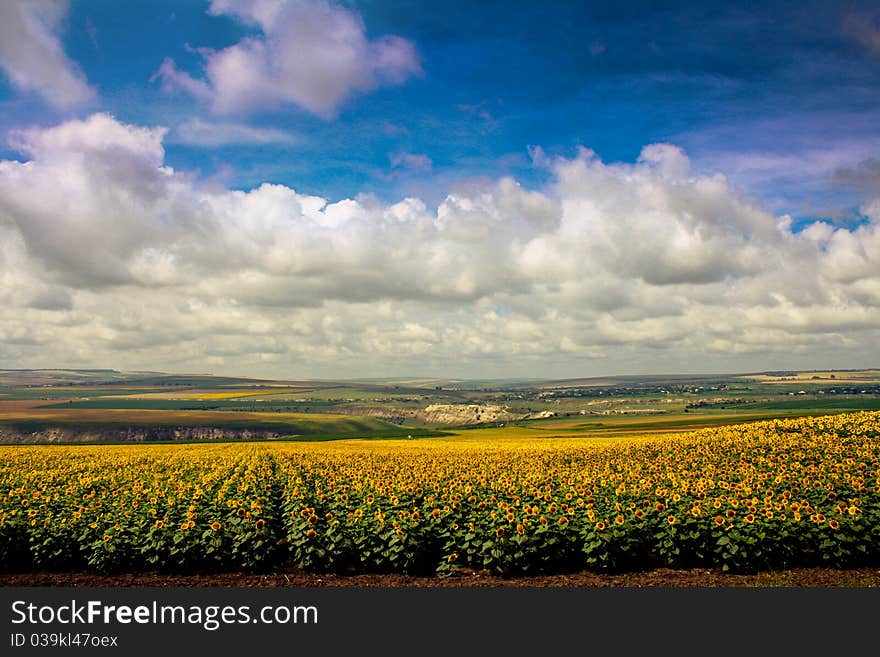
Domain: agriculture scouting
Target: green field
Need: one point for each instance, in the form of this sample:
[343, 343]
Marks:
[103, 405]
[188, 404]
[64, 424]
[865, 404]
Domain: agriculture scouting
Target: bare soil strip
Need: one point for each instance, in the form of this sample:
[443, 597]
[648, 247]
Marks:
[665, 578]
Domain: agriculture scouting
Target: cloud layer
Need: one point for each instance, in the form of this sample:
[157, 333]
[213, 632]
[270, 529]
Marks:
[207, 134]
[110, 257]
[31, 54]
[310, 53]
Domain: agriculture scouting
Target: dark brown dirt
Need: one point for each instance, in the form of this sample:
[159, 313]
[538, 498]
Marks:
[804, 577]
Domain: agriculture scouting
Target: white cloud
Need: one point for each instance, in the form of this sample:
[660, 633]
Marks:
[800, 168]
[310, 53]
[413, 161]
[99, 133]
[31, 54]
[788, 161]
[173, 79]
[209, 134]
[108, 256]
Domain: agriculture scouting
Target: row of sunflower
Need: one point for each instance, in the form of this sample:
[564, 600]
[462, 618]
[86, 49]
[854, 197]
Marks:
[768, 494]
[128, 508]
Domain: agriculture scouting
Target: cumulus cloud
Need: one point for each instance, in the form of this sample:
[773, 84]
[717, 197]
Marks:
[31, 54]
[107, 255]
[310, 53]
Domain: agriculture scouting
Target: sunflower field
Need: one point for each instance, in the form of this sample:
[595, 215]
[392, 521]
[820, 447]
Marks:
[781, 493]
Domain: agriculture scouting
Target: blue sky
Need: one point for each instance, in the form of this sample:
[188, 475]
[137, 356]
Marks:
[731, 83]
[322, 188]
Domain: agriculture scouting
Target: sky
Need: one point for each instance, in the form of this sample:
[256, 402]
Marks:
[317, 189]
